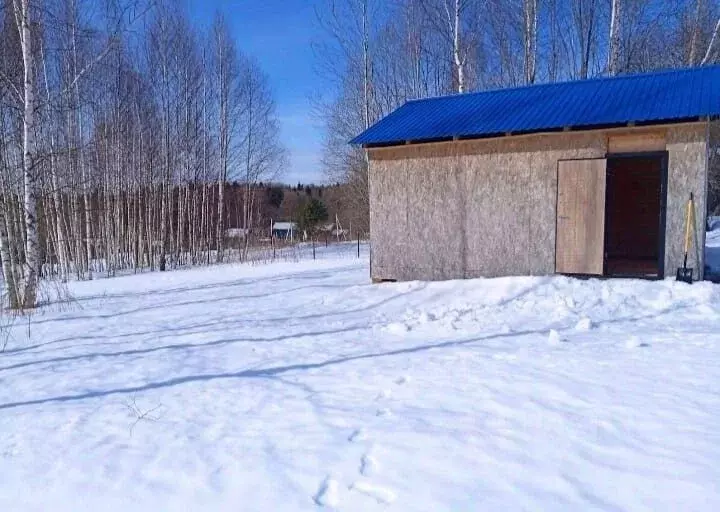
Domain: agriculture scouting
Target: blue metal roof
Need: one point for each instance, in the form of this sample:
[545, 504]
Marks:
[663, 96]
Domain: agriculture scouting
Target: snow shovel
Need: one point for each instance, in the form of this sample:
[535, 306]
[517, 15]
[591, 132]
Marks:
[684, 273]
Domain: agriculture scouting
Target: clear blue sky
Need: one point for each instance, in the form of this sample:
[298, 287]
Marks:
[279, 34]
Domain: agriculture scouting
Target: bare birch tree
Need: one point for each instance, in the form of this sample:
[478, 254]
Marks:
[455, 22]
[226, 76]
[711, 45]
[24, 12]
[614, 38]
[530, 36]
[696, 32]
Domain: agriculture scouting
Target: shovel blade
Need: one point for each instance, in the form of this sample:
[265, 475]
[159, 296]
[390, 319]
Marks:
[685, 275]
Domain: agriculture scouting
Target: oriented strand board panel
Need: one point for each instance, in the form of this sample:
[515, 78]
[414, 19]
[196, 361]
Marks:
[636, 142]
[438, 249]
[469, 209]
[413, 227]
[687, 168]
[388, 217]
[580, 237]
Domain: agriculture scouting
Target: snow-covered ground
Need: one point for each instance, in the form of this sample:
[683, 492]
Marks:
[712, 248]
[295, 386]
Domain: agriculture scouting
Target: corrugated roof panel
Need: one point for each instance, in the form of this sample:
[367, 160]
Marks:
[659, 96]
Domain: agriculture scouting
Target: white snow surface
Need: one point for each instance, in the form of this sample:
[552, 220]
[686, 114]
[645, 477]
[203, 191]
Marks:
[300, 386]
[712, 245]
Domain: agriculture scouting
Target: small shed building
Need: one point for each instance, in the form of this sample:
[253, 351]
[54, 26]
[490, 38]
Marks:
[284, 230]
[584, 178]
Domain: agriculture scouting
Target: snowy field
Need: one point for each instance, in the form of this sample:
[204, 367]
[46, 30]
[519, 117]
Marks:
[297, 386]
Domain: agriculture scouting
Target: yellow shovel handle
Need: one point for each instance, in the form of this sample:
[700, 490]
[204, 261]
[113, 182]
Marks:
[690, 220]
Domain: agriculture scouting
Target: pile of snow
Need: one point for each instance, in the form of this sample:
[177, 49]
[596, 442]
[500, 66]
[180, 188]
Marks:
[712, 246]
[299, 386]
[713, 223]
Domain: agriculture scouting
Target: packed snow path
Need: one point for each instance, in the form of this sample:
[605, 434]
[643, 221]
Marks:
[300, 386]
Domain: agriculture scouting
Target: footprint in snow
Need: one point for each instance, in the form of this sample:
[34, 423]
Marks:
[327, 495]
[11, 451]
[381, 494]
[358, 435]
[385, 393]
[368, 465]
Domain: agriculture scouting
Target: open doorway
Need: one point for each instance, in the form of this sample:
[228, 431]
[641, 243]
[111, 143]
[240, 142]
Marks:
[635, 215]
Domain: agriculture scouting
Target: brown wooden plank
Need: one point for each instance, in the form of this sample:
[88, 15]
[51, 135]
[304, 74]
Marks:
[469, 145]
[637, 142]
[579, 243]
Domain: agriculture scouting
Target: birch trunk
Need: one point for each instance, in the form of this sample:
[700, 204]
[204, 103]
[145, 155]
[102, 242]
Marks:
[458, 59]
[695, 36]
[614, 39]
[248, 174]
[7, 266]
[224, 135]
[530, 14]
[30, 179]
[61, 230]
[709, 51]
[366, 64]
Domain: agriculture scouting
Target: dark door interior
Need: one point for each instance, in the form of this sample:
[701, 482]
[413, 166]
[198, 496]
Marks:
[633, 216]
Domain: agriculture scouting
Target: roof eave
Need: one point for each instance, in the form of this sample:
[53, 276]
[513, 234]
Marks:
[539, 131]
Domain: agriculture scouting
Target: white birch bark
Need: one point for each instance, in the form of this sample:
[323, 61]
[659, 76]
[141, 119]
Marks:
[614, 38]
[366, 63]
[457, 57]
[695, 35]
[31, 269]
[8, 272]
[711, 44]
[530, 37]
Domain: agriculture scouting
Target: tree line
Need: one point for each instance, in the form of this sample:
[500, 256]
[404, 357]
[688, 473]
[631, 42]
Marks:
[121, 123]
[381, 53]
[307, 205]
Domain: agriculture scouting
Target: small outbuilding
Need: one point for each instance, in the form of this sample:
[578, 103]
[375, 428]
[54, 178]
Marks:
[285, 230]
[584, 178]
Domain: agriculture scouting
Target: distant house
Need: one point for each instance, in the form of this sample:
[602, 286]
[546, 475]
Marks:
[587, 178]
[285, 230]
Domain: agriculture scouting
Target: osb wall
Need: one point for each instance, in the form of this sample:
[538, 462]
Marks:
[687, 166]
[713, 206]
[487, 207]
[713, 192]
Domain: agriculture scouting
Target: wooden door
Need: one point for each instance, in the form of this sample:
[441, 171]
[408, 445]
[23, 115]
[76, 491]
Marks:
[580, 235]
